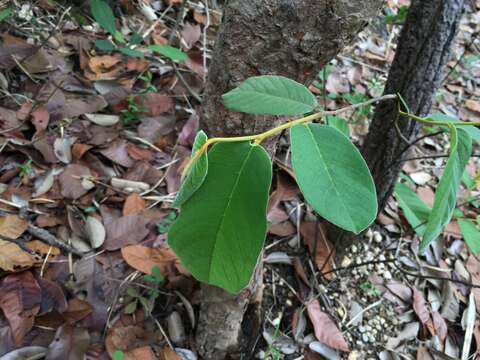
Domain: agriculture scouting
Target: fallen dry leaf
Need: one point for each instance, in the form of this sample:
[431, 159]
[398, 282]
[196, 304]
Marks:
[20, 301]
[72, 181]
[13, 258]
[326, 331]
[420, 307]
[313, 234]
[154, 104]
[12, 226]
[77, 310]
[71, 343]
[117, 151]
[134, 204]
[40, 118]
[143, 259]
[127, 230]
[473, 105]
[169, 354]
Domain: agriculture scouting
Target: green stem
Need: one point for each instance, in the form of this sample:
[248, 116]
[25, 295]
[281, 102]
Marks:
[258, 138]
[440, 123]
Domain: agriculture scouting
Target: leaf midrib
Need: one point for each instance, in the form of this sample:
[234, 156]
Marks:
[230, 196]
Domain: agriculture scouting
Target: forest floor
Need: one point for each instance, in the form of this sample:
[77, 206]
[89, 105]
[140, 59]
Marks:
[92, 145]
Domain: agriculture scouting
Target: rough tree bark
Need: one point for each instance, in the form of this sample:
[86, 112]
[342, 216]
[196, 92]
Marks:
[423, 50]
[257, 37]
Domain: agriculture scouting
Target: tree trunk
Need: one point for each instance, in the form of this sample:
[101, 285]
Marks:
[258, 37]
[423, 51]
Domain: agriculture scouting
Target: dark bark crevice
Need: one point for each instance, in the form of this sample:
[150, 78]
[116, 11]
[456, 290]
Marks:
[423, 51]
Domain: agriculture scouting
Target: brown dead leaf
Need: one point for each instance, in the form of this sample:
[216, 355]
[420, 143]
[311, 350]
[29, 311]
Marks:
[285, 228]
[70, 343]
[440, 326]
[426, 194]
[189, 131]
[326, 331]
[423, 353]
[154, 104]
[78, 150]
[127, 230]
[117, 151]
[12, 226]
[313, 234]
[139, 154]
[169, 354]
[77, 104]
[473, 105]
[13, 258]
[191, 34]
[143, 259]
[8, 119]
[420, 307]
[77, 310]
[20, 301]
[134, 204]
[72, 181]
[40, 118]
[42, 249]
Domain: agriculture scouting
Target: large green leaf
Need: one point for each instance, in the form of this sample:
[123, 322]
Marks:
[103, 14]
[415, 210]
[473, 131]
[169, 51]
[340, 124]
[333, 176]
[195, 174]
[220, 231]
[5, 13]
[446, 193]
[471, 235]
[270, 95]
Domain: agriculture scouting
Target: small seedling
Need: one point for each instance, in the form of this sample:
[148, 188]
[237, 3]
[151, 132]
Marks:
[147, 300]
[118, 355]
[165, 224]
[103, 15]
[26, 168]
[369, 289]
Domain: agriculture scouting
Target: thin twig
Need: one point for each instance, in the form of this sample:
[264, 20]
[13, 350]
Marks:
[50, 239]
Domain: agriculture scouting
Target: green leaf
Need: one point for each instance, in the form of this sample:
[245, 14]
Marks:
[270, 95]
[333, 176]
[446, 193]
[415, 210]
[473, 131]
[131, 52]
[221, 230]
[471, 235]
[340, 124]
[131, 307]
[169, 51]
[195, 174]
[104, 45]
[5, 13]
[118, 355]
[468, 180]
[103, 14]
[136, 39]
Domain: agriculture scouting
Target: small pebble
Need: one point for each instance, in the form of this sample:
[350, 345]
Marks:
[365, 338]
[361, 328]
[387, 275]
[377, 237]
[354, 249]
